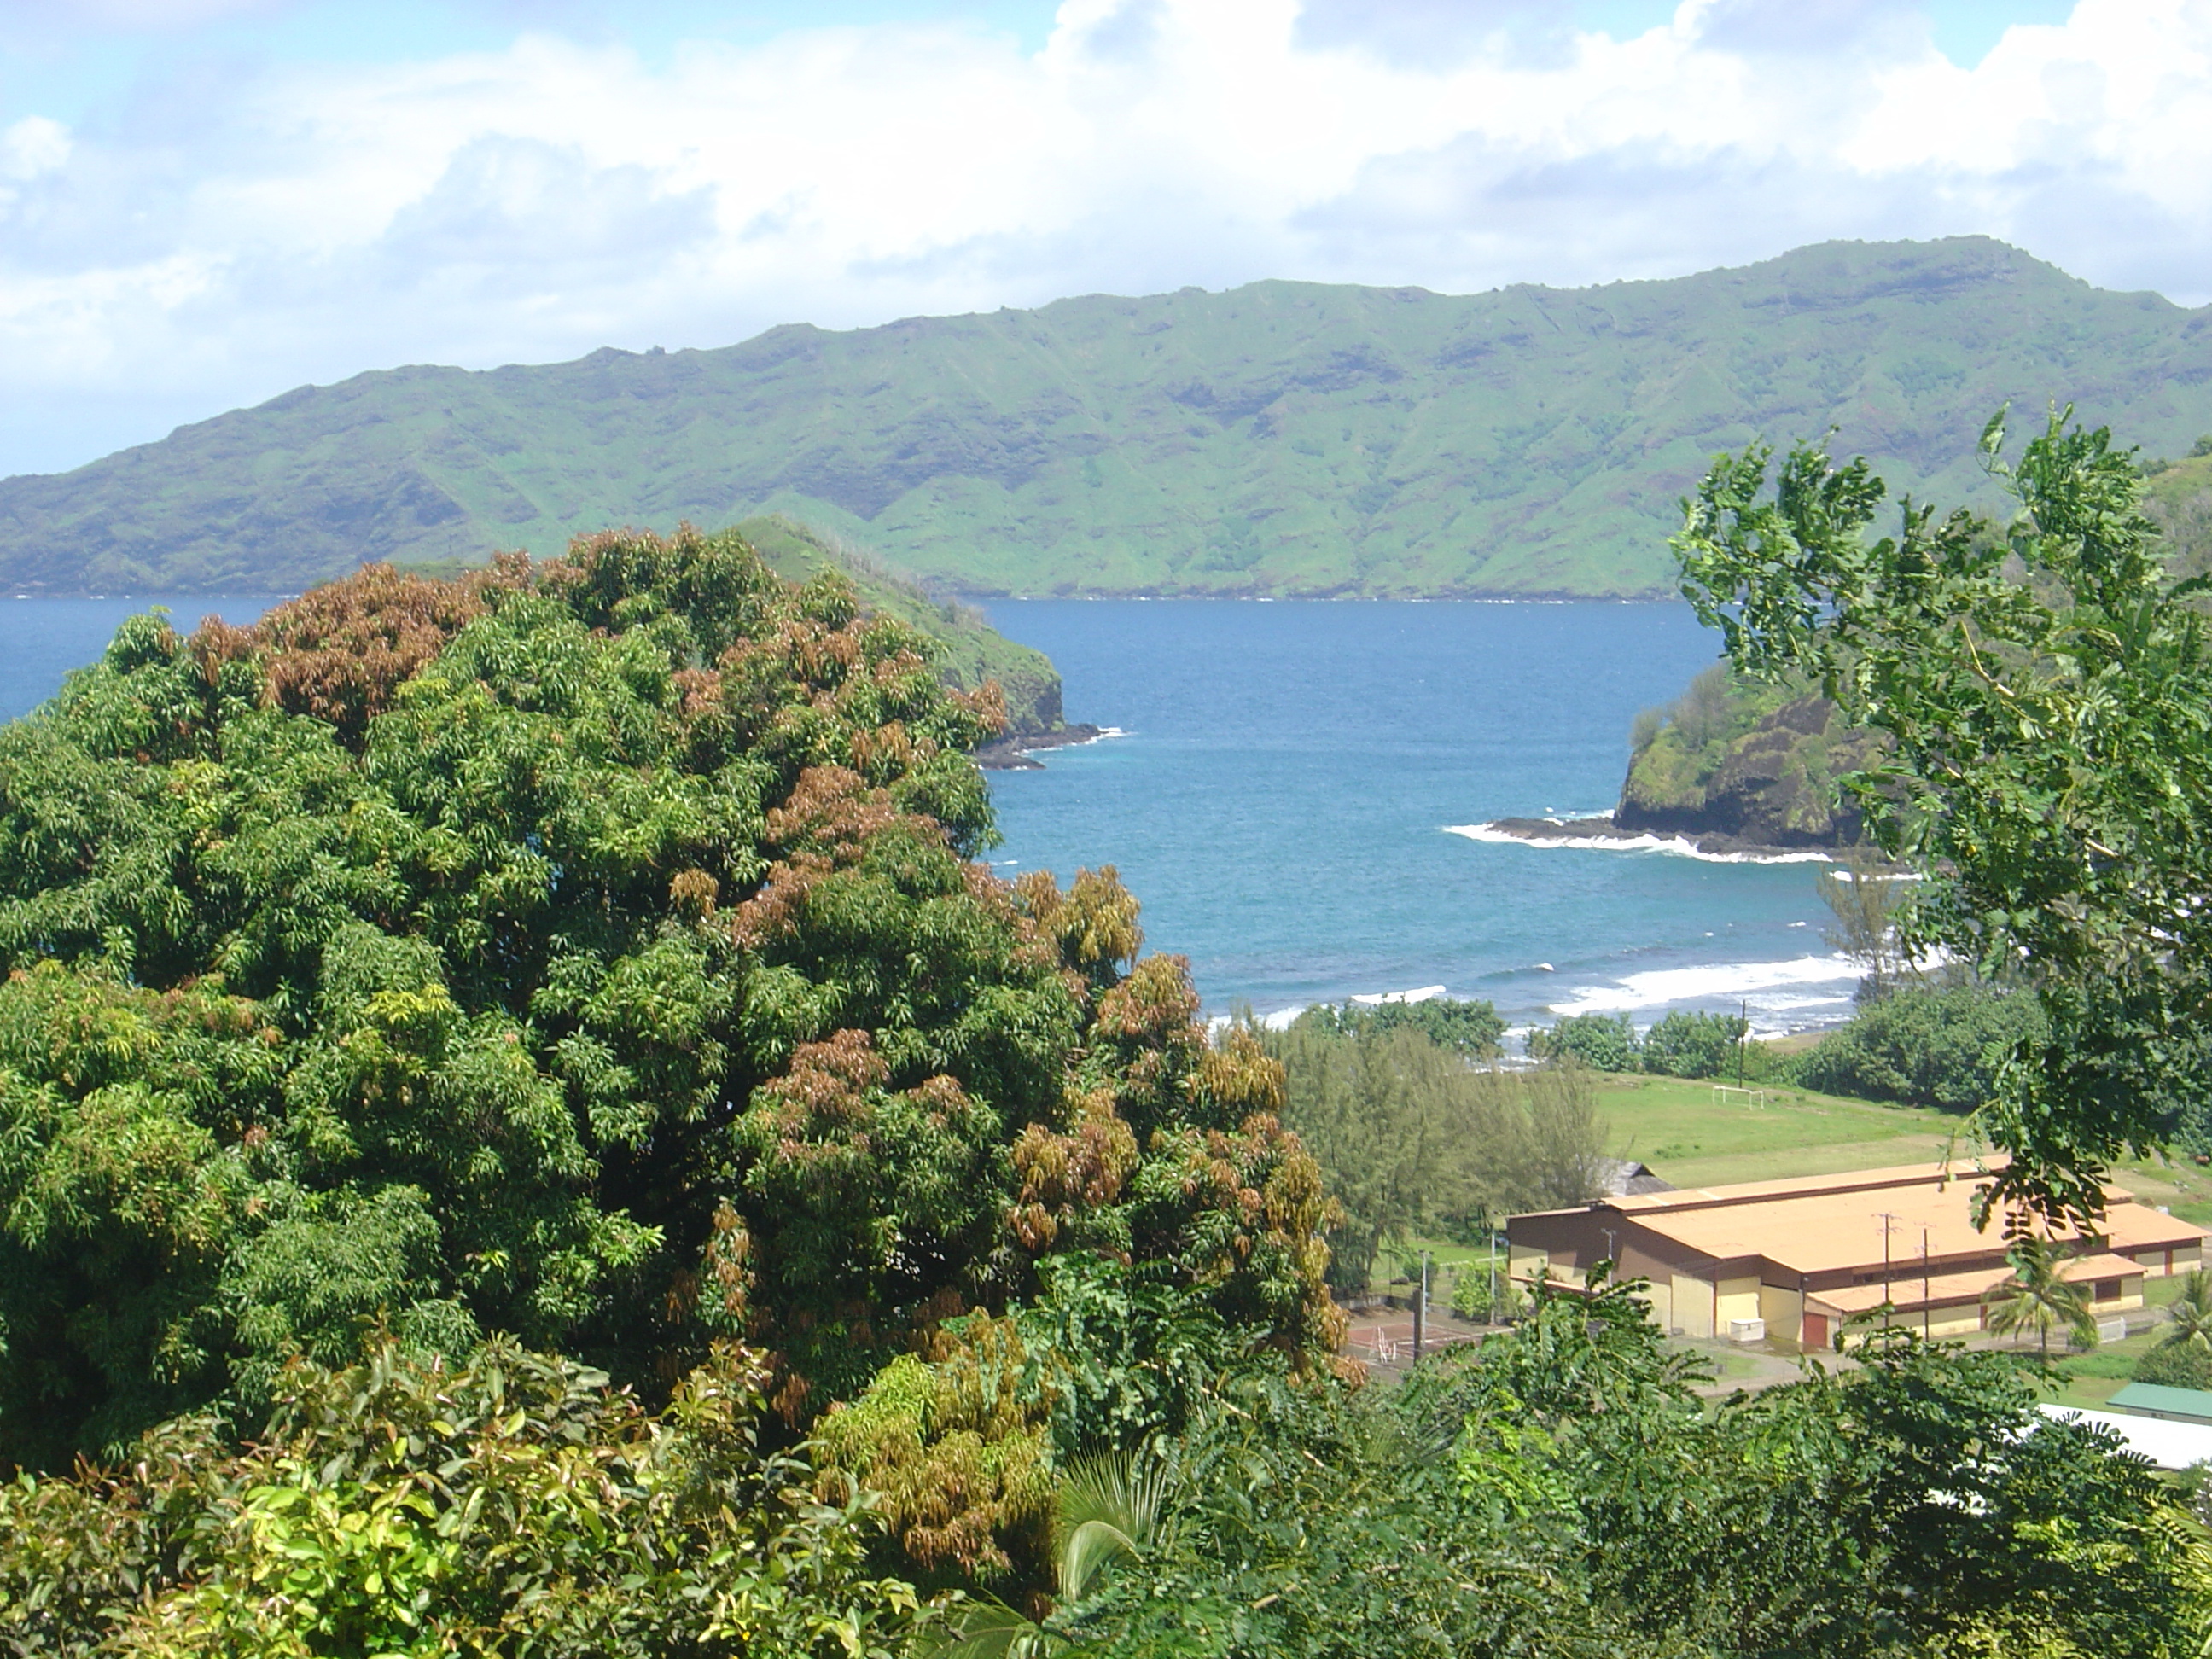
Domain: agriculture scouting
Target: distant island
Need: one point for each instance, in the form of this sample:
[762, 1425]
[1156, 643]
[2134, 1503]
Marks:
[1279, 439]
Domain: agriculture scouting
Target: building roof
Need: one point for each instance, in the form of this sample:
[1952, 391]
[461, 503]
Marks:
[1905, 1290]
[2170, 1445]
[1753, 1192]
[1816, 1225]
[1624, 1175]
[2172, 1402]
[1811, 1227]
[2134, 1227]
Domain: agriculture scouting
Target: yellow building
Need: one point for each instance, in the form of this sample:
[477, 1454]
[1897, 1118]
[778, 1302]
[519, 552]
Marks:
[1793, 1258]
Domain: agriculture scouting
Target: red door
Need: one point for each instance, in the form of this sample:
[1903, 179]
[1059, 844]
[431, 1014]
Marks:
[1816, 1332]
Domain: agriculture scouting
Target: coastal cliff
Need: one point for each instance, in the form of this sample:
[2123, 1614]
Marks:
[1733, 769]
[1762, 776]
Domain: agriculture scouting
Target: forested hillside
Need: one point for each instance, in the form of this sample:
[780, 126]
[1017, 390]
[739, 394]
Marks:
[967, 650]
[1282, 437]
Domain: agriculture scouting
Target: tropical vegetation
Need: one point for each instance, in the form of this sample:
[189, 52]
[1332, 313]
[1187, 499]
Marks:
[1412, 1137]
[1925, 1044]
[1470, 1028]
[588, 952]
[1683, 1042]
[2038, 1299]
[2040, 689]
[526, 1127]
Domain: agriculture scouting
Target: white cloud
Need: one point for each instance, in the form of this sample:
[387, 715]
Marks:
[31, 146]
[249, 228]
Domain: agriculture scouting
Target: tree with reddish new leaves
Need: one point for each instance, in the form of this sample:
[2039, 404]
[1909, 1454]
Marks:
[592, 952]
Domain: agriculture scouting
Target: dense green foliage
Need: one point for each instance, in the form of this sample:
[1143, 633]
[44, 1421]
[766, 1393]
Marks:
[1482, 1296]
[1681, 1043]
[589, 953]
[1470, 1028]
[2175, 1365]
[2045, 696]
[1559, 1493]
[514, 1505]
[1685, 1043]
[1409, 1136]
[1604, 1042]
[1924, 1046]
[1283, 437]
[1562, 1491]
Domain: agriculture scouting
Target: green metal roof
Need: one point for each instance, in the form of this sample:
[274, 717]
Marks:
[2174, 1402]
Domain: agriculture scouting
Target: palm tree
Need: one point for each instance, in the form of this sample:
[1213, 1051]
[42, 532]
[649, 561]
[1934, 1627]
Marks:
[2190, 1316]
[2036, 1298]
[1108, 1508]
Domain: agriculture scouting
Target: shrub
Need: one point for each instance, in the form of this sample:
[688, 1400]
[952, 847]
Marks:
[1925, 1047]
[515, 1504]
[1471, 1028]
[1694, 1045]
[1604, 1043]
[1472, 1301]
[2177, 1365]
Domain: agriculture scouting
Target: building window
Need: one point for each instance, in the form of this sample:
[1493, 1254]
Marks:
[2108, 1290]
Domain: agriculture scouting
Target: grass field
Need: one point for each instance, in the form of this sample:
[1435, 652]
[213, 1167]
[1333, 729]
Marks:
[1695, 1135]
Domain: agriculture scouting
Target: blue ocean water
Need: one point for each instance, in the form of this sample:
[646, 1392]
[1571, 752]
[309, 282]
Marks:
[42, 640]
[1284, 796]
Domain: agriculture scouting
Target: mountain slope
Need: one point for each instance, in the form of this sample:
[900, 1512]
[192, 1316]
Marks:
[1283, 437]
[969, 650]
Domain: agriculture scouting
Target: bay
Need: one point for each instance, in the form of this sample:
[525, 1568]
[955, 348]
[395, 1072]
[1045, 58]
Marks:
[42, 640]
[1283, 796]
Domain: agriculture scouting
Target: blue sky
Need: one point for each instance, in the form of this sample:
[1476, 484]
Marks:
[204, 203]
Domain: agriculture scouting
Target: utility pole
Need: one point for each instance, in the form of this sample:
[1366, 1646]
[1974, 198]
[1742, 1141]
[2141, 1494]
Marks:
[1888, 1221]
[1490, 1232]
[1743, 1037]
[1421, 1309]
[1925, 1284]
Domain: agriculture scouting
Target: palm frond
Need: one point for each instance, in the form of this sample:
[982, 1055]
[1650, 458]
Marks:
[1109, 1507]
[2191, 1314]
[987, 1628]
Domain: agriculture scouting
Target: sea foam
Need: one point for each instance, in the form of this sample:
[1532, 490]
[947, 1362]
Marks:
[1754, 982]
[1423, 994]
[1676, 846]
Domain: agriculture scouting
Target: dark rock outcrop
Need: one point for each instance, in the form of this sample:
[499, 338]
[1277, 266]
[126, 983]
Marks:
[1773, 786]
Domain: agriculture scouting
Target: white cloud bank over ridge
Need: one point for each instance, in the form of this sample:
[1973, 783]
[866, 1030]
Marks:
[246, 228]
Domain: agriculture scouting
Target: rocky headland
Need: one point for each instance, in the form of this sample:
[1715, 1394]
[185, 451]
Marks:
[1011, 753]
[1732, 771]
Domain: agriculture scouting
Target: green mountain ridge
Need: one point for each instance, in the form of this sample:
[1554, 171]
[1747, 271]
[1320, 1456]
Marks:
[1280, 438]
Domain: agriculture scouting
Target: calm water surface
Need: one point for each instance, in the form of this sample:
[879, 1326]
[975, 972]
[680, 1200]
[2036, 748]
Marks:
[1285, 797]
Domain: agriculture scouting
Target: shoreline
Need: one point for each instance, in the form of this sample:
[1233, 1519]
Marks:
[1011, 754]
[1603, 834]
